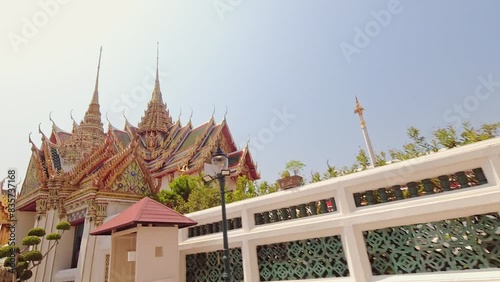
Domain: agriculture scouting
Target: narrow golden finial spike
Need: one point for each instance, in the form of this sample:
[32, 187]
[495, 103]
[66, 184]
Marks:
[95, 98]
[156, 91]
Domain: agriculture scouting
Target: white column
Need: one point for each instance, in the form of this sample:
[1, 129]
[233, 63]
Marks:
[356, 254]
[250, 261]
[49, 259]
[87, 268]
[83, 250]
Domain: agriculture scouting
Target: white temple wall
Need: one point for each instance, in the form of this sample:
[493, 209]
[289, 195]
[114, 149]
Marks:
[25, 221]
[102, 248]
[83, 249]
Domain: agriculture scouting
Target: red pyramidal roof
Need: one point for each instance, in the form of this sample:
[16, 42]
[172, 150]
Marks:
[146, 211]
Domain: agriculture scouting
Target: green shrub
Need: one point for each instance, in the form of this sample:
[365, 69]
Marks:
[8, 262]
[26, 274]
[53, 236]
[7, 251]
[40, 232]
[63, 225]
[31, 241]
[33, 255]
[22, 265]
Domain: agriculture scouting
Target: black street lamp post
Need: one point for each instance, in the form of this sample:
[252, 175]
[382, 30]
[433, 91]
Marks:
[221, 161]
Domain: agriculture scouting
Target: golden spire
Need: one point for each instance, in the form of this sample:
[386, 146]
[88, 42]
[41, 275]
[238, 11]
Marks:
[156, 92]
[359, 110]
[92, 117]
[95, 97]
[156, 117]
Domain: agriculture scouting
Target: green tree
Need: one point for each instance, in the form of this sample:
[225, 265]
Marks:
[172, 200]
[447, 137]
[244, 189]
[315, 177]
[22, 260]
[202, 197]
[184, 184]
[381, 159]
[331, 171]
[294, 166]
[266, 188]
[362, 159]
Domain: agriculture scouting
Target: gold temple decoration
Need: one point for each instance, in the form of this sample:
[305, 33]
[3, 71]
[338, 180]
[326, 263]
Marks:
[359, 110]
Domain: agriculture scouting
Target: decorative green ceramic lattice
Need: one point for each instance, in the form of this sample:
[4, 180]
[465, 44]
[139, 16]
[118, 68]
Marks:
[209, 267]
[454, 244]
[303, 259]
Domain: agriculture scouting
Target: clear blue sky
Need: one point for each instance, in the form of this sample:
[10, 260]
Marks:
[256, 58]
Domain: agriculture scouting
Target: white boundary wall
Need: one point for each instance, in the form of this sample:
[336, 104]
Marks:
[349, 221]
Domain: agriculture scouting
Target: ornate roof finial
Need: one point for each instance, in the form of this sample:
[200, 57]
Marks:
[225, 114]
[359, 110]
[213, 113]
[75, 125]
[156, 92]
[191, 115]
[126, 120]
[33, 146]
[110, 126]
[41, 132]
[95, 97]
[180, 113]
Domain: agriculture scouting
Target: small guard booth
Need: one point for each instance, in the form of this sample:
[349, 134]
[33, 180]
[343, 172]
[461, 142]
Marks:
[144, 242]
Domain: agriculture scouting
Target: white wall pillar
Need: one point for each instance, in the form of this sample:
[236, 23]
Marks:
[46, 222]
[356, 254]
[89, 255]
[50, 258]
[250, 261]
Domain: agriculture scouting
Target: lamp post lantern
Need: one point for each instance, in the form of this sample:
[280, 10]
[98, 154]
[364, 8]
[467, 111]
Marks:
[221, 161]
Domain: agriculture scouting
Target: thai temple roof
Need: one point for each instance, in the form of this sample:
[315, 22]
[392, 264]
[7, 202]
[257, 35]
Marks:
[155, 149]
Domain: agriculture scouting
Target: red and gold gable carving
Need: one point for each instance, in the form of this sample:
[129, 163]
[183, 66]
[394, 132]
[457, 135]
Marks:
[132, 180]
[32, 181]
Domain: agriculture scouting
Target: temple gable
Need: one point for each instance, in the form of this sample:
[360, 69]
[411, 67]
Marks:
[132, 180]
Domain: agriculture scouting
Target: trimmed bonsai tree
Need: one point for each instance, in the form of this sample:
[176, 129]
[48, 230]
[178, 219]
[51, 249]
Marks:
[295, 166]
[289, 181]
[22, 260]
